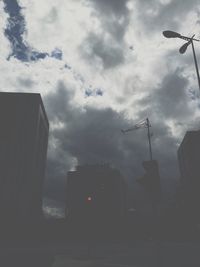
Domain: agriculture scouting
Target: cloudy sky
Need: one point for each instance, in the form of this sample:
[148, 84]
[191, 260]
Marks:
[102, 66]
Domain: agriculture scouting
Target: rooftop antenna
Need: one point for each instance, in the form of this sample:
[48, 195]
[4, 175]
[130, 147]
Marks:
[145, 123]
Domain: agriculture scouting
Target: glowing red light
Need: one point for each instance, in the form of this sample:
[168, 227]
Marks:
[89, 199]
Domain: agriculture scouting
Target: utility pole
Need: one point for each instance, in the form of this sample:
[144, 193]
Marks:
[149, 137]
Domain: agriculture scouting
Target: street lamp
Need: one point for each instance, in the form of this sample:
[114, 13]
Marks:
[171, 34]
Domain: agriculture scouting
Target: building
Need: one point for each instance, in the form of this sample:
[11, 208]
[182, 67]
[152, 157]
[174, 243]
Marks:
[189, 164]
[23, 146]
[95, 192]
[151, 180]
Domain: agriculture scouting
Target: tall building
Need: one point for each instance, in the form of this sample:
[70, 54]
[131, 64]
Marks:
[95, 192]
[23, 145]
[189, 164]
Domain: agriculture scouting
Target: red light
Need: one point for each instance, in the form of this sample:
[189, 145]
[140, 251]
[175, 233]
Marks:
[89, 198]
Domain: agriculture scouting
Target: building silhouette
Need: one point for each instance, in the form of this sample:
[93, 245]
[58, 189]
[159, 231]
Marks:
[95, 192]
[23, 146]
[189, 164]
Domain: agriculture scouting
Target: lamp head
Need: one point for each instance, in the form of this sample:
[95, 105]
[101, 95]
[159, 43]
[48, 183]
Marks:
[184, 47]
[171, 34]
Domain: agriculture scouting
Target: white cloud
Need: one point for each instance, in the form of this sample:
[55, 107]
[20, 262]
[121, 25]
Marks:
[53, 209]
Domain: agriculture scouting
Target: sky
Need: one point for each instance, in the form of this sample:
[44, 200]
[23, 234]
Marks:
[102, 66]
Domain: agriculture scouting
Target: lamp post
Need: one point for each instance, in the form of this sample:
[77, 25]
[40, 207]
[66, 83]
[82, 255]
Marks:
[183, 48]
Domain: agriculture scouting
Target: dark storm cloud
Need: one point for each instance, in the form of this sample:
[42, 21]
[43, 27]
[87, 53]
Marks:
[154, 14]
[170, 99]
[169, 108]
[96, 46]
[93, 135]
[15, 30]
[58, 103]
[90, 135]
[114, 19]
[114, 16]
[117, 7]
[59, 160]
[169, 103]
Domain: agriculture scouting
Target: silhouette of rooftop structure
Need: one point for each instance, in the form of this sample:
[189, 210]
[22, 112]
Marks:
[23, 147]
[95, 191]
[188, 157]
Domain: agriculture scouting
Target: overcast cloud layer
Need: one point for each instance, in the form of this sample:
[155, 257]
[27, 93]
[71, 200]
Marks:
[102, 66]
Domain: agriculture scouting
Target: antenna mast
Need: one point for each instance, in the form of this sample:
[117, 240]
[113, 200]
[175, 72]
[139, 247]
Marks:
[149, 137]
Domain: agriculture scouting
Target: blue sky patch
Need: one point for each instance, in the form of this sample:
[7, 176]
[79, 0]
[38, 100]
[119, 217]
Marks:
[16, 28]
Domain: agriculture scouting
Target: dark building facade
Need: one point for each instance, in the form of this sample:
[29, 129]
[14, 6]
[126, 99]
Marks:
[189, 164]
[23, 146]
[95, 192]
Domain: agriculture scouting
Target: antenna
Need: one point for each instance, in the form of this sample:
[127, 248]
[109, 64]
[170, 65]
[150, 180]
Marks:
[146, 124]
